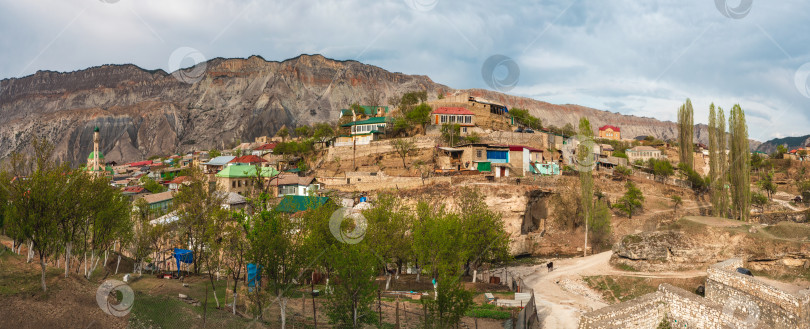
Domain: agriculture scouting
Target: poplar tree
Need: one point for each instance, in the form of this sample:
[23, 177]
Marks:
[585, 177]
[686, 131]
[717, 161]
[739, 165]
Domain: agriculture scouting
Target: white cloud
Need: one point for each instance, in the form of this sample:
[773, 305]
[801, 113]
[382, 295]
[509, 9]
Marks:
[642, 58]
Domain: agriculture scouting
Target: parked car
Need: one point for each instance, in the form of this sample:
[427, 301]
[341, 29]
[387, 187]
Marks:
[528, 131]
[744, 271]
[519, 130]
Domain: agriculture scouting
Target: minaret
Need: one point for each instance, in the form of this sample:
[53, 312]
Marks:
[96, 140]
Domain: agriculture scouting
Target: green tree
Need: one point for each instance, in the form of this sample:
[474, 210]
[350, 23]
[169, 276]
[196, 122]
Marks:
[568, 130]
[349, 303]
[759, 200]
[676, 202]
[717, 161]
[780, 151]
[151, 185]
[485, 239]
[523, 117]
[283, 133]
[323, 132]
[631, 201]
[451, 133]
[623, 172]
[767, 184]
[276, 248]
[213, 153]
[661, 168]
[419, 115]
[387, 232]
[303, 131]
[404, 148]
[686, 134]
[600, 225]
[198, 209]
[585, 150]
[473, 138]
[739, 165]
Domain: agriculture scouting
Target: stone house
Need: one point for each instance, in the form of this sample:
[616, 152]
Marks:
[291, 184]
[454, 115]
[522, 157]
[240, 179]
[216, 164]
[610, 132]
[361, 132]
[643, 153]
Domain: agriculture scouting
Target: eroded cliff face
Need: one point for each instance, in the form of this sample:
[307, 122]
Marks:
[142, 113]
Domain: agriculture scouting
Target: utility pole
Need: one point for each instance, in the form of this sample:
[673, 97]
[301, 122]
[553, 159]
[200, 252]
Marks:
[314, 312]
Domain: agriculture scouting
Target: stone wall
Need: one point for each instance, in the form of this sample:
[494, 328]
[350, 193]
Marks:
[643, 312]
[365, 181]
[732, 300]
[776, 308]
[376, 147]
[786, 216]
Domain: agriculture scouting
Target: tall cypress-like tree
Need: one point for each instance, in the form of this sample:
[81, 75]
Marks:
[686, 131]
[722, 164]
[739, 165]
[717, 161]
[584, 151]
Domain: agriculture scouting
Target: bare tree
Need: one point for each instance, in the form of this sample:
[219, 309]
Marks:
[404, 148]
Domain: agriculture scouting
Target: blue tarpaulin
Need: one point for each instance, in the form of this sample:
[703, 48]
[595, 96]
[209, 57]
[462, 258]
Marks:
[183, 255]
[253, 276]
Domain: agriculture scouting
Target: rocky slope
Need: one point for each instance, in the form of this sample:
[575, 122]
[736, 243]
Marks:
[142, 113]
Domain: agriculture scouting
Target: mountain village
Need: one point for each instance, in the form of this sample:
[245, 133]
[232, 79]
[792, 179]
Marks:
[655, 250]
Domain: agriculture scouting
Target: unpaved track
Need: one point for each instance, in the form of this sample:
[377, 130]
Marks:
[558, 308]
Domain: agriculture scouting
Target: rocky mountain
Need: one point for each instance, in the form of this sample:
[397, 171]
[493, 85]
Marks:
[791, 143]
[142, 113]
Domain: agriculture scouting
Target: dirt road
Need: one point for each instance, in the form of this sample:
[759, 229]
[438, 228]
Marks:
[559, 308]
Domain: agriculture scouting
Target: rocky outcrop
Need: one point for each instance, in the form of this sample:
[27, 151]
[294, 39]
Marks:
[669, 250]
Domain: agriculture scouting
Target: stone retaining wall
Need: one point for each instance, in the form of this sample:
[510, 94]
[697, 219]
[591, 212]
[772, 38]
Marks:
[643, 312]
[787, 216]
[363, 181]
[377, 147]
[732, 300]
[776, 308]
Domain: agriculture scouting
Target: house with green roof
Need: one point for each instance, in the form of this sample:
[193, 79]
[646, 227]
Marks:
[241, 179]
[362, 131]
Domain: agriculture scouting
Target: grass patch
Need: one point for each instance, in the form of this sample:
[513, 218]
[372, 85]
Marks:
[789, 230]
[489, 311]
[626, 268]
[616, 289]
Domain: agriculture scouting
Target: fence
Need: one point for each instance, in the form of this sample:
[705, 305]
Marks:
[527, 317]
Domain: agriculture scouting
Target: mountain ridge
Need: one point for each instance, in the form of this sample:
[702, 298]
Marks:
[145, 112]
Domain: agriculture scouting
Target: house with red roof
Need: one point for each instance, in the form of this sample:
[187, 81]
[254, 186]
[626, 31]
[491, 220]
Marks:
[610, 132]
[453, 115]
[249, 159]
[175, 183]
[264, 149]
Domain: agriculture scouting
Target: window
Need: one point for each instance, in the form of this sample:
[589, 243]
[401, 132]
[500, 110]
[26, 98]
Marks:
[478, 154]
[464, 130]
[286, 189]
[444, 119]
[233, 184]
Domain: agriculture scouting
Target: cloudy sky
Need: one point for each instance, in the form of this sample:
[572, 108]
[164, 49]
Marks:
[635, 57]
